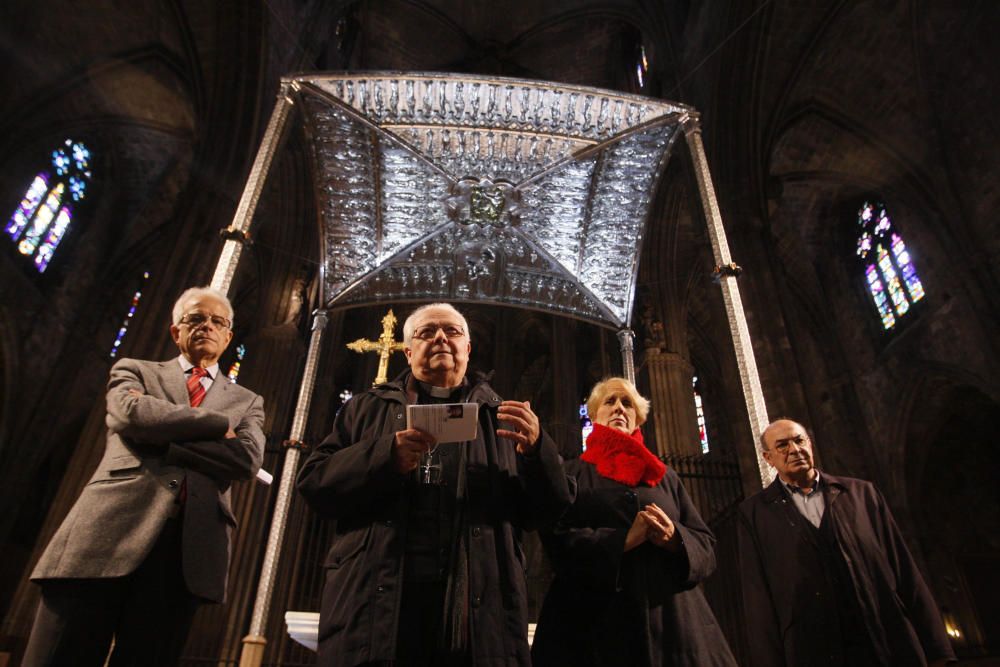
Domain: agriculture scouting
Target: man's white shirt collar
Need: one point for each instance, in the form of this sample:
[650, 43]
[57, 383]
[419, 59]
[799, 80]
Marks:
[186, 366]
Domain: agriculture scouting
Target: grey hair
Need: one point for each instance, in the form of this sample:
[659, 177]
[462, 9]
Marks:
[409, 325]
[600, 389]
[197, 292]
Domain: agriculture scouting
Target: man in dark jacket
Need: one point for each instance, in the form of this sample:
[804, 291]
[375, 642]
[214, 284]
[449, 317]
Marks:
[430, 573]
[827, 578]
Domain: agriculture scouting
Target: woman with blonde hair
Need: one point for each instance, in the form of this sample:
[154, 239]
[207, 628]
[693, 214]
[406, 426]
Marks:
[628, 555]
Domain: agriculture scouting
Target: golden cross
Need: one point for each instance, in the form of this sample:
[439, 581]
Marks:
[385, 346]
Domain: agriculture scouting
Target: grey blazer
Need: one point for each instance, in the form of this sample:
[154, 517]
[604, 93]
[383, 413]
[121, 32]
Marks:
[155, 441]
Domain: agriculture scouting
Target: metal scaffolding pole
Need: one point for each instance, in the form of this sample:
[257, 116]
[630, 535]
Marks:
[254, 643]
[236, 236]
[727, 273]
[625, 339]
[238, 233]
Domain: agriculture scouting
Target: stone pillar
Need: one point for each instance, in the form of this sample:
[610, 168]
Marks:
[564, 425]
[672, 411]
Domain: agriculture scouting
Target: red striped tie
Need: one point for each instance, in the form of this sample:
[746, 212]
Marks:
[196, 390]
[196, 393]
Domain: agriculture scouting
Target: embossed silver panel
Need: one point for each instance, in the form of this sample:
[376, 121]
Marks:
[439, 186]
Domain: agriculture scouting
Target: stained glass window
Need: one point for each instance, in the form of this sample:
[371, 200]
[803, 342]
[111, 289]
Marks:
[234, 370]
[700, 413]
[641, 67]
[128, 317]
[40, 221]
[586, 426]
[889, 272]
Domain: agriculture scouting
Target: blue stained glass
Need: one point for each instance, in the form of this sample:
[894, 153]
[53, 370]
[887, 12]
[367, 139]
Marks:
[586, 426]
[41, 220]
[81, 156]
[60, 161]
[892, 280]
[28, 206]
[913, 285]
[53, 238]
[128, 318]
[46, 213]
[878, 294]
[77, 187]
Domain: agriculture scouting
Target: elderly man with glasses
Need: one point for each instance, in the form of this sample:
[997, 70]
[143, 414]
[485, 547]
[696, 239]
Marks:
[426, 566]
[148, 540]
[827, 577]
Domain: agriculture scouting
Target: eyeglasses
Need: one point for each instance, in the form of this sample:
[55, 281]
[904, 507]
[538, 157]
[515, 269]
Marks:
[196, 320]
[429, 332]
[782, 446]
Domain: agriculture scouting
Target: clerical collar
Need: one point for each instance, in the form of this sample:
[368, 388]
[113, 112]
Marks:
[437, 392]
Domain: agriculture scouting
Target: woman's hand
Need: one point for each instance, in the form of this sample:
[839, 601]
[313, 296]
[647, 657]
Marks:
[636, 533]
[660, 531]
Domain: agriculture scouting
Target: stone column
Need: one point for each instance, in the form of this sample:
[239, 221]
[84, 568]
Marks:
[564, 425]
[672, 411]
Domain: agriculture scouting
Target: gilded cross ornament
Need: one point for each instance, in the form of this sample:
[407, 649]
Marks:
[385, 346]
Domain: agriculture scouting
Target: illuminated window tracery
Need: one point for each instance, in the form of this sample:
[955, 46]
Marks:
[890, 275]
[234, 370]
[700, 413]
[586, 426]
[41, 220]
[128, 317]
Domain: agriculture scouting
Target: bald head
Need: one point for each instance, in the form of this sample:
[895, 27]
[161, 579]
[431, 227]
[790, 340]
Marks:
[787, 447]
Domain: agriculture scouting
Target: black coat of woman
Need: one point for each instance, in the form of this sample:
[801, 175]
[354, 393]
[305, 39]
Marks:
[635, 608]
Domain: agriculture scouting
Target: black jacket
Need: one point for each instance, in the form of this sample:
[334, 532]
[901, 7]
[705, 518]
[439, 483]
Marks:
[635, 609]
[786, 589]
[351, 478]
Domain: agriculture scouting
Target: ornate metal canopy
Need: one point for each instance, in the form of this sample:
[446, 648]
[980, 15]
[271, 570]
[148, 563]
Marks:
[442, 186]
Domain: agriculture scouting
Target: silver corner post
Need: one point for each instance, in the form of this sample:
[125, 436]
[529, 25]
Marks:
[254, 643]
[625, 339]
[237, 234]
[727, 273]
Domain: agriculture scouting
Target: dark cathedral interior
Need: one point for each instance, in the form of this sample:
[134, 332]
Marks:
[815, 118]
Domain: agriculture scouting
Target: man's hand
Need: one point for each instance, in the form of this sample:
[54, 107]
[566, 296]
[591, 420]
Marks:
[231, 434]
[661, 531]
[522, 423]
[637, 533]
[409, 446]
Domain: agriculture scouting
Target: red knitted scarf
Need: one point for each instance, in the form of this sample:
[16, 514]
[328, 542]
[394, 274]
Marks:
[623, 458]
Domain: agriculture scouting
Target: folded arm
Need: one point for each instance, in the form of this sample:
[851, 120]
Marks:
[238, 455]
[146, 419]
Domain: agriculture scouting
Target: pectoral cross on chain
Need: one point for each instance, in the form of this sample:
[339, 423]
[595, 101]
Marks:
[385, 346]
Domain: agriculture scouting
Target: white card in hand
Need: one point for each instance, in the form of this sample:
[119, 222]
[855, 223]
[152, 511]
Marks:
[448, 422]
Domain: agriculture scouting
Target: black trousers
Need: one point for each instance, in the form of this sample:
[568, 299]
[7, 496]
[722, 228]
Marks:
[148, 614]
